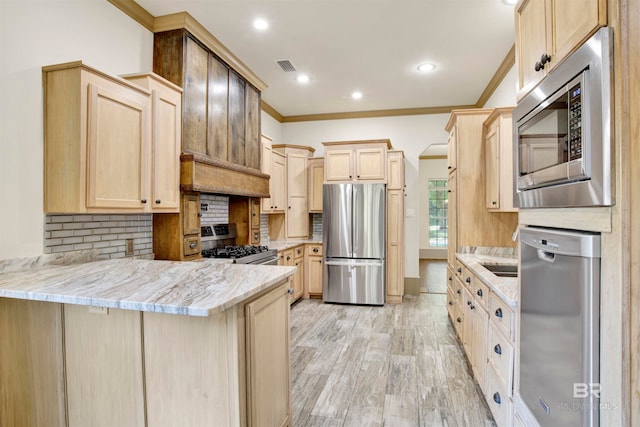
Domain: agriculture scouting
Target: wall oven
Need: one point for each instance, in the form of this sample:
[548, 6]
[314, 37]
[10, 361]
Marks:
[562, 132]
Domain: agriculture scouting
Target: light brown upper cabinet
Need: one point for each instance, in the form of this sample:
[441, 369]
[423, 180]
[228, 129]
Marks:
[297, 209]
[395, 173]
[98, 136]
[221, 117]
[547, 31]
[348, 161]
[316, 179]
[498, 156]
[272, 163]
[166, 134]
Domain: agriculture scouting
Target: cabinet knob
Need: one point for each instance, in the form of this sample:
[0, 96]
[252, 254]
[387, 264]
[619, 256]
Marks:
[199, 215]
[459, 320]
[458, 292]
[468, 280]
[449, 167]
[479, 293]
[193, 245]
[496, 398]
[143, 201]
[459, 270]
[468, 302]
[538, 66]
[288, 258]
[450, 302]
[350, 177]
[448, 191]
[545, 59]
[497, 349]
[315, 250]
[472, 307]
[289, 207]
[499, 313]
[358, 176]
[494, 203]
[290, 291]
[158, 201]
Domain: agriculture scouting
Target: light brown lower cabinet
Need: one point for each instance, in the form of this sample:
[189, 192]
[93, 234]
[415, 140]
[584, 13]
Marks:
[131, 368]
[313, 270]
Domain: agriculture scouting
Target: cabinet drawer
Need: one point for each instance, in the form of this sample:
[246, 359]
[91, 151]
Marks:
[191, 246]
[458, 289]
[502, 315]
[458, 318]
[459, 269]
[480, 292]
[451, 304]
[501, 357]
[314, 250]
[298, 252]
[500, 404]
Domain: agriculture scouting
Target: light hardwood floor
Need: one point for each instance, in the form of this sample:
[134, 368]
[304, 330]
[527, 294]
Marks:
[433, 276]
[397, 365]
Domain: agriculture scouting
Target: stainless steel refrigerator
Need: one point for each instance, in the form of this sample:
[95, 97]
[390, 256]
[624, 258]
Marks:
[354, 243]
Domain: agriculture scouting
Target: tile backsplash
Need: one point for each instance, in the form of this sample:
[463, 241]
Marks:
[316, 226]
[105, 233]
[217, 208]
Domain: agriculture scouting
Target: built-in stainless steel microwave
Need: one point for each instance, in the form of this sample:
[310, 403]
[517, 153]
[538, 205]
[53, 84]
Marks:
[562, 132]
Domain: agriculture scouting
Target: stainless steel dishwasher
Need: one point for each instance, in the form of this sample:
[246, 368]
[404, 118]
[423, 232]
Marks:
[560, 326]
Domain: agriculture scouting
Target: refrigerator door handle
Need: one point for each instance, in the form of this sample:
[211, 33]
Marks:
[355, 262]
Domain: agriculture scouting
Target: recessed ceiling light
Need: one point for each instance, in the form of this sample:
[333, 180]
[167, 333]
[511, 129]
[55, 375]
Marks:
[356, 95]
[426, 67]
[260, 24]
[510, 2]
[303, 78]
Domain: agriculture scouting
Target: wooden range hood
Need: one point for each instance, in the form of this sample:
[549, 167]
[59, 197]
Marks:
[209, 175]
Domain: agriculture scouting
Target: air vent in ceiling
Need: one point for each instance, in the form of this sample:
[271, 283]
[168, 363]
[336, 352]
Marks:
[286, 66]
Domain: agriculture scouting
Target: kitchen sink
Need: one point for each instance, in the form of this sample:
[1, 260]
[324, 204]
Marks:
[502, 270]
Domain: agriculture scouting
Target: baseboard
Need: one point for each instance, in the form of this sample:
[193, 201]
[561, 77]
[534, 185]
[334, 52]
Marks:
[433, 253]
[412, 285]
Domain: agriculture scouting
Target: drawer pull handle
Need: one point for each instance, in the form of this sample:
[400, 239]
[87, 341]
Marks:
[468, 280]
[499, 313]
[479, 293]
[458, 292]
[472, 307]
[158, 201]
[143, 201]
[496, 398]
[468, 302]
[315, 250]
[459, 270]
[497, 349]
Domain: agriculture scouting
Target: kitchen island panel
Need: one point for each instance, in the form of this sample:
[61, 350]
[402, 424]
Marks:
[31, 364]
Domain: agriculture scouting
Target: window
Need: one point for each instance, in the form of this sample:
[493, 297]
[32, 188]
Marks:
[438, 202]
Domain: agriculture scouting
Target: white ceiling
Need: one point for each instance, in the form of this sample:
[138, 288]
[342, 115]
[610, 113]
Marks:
[373, 46]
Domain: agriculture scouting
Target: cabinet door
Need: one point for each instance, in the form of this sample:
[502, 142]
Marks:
[217, 109]
[297, 218]
[118, 156]
[236, 119]
[277, 183]
[298, 279]
[492, 167]
[480, 331]
[467, 327]
[452, 244]
[532, 36]
[252, 131]
[191, 214]
[573, 22]
[267, 359]
[254, 209]
[395, 175]
[296, 175]
[395, 245]
[338, 165]
[194, 120]
[316, 178]
[452, 155]
[315, 275]
[371, 164]
[167, 134]
[266, 161]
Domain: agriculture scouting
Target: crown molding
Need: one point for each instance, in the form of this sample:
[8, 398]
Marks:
[136, 12]
[374, 113]
[271, 111]
[507, 63]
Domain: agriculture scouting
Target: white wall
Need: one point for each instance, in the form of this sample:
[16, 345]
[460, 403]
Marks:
[412, 134]
[505, 93]
[271, 128]
[429, 169]
[34, 34]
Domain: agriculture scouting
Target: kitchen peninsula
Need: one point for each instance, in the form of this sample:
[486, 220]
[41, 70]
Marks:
[143, 343]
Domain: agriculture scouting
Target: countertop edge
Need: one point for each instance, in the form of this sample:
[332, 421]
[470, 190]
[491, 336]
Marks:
[471, 261]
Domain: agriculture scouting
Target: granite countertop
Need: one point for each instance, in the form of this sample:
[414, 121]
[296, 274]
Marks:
[176, 287]
[505, 287]
[281, 245]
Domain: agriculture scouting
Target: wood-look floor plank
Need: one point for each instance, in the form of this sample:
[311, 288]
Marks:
[397, 365]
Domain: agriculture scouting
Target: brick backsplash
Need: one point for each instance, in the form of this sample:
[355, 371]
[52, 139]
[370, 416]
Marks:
[217, 210]
[104, 233]
[316, 226]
